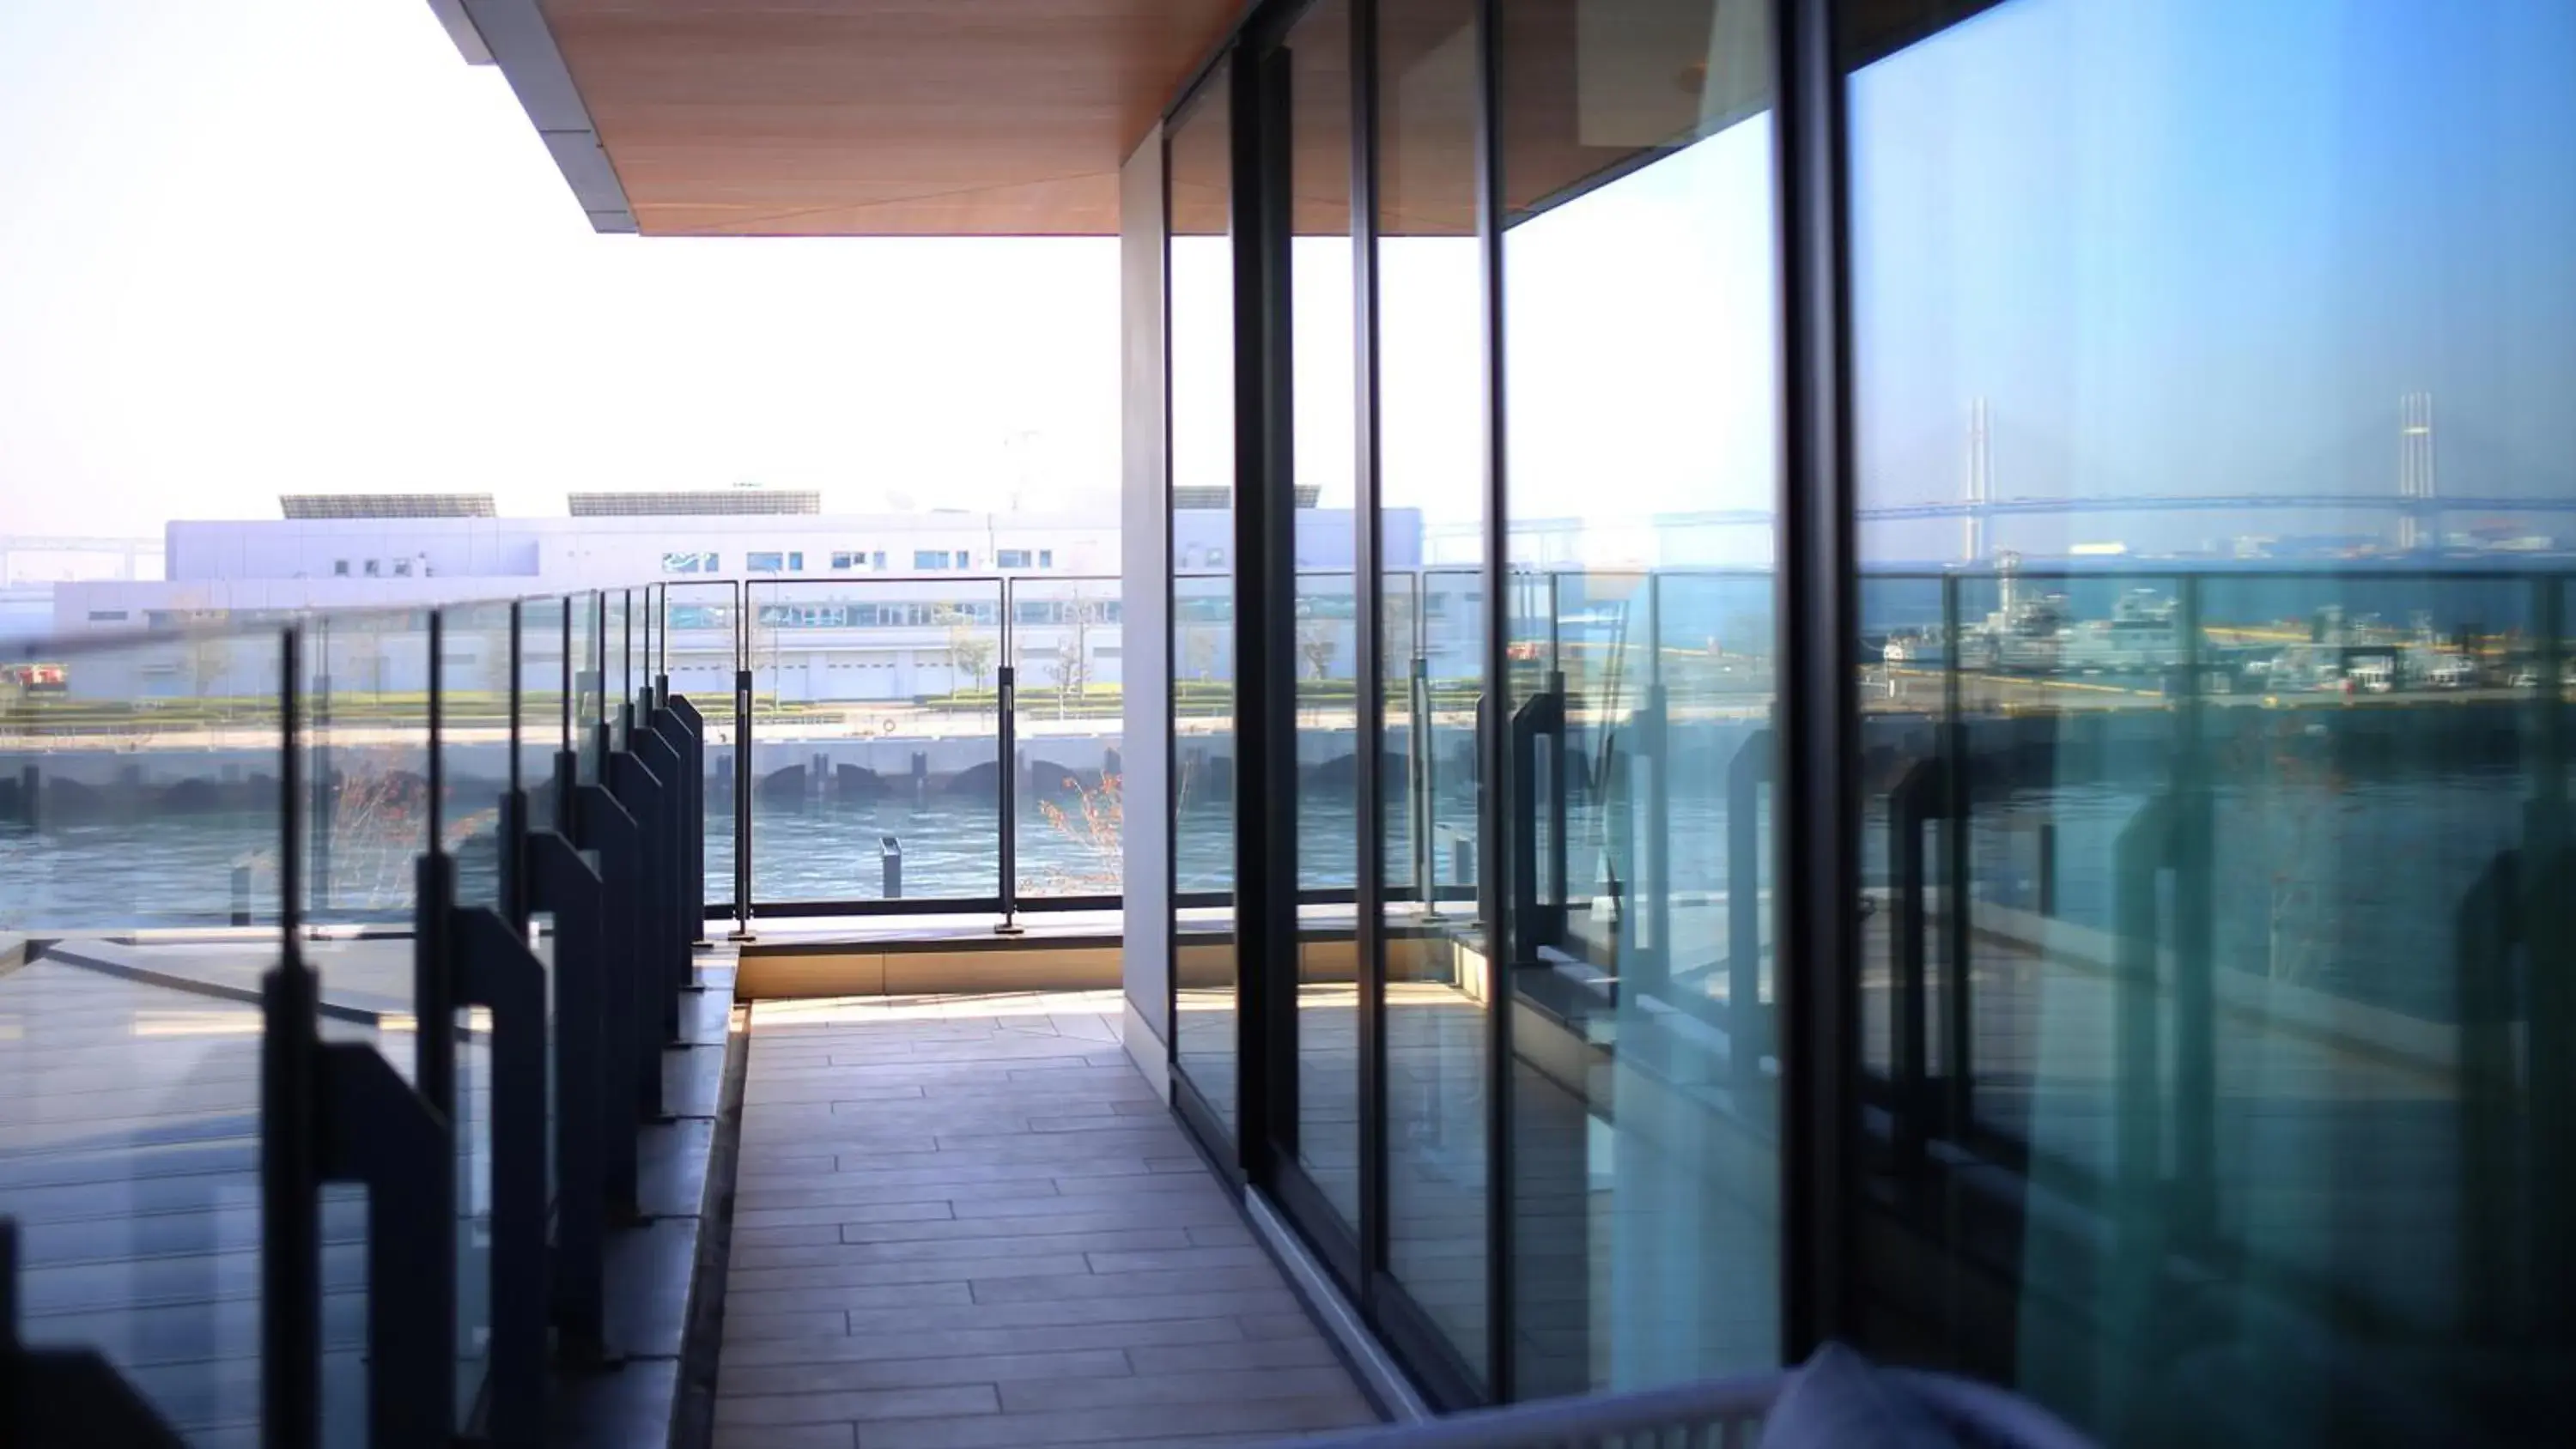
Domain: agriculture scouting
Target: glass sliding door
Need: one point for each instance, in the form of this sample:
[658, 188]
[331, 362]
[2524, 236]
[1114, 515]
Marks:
[2209, 379]
[1201, 347]
[1322, 688]
[1430, 471]
[1641, 462]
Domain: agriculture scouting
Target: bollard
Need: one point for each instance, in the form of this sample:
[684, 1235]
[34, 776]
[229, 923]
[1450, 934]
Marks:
[920, 779]
[241, 894]
[890, 855]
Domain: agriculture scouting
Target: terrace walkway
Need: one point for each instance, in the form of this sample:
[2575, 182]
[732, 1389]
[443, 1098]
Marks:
[968, 1221]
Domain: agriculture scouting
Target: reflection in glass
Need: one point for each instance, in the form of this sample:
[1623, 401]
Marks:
[1639, 407]
[2214, 738]
[1199, 262]
[876, 739]
[1325, 653]
[366, 765]
[1431, 482]
[474, 724]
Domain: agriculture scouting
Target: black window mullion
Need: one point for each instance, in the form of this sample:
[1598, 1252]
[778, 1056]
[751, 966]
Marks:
[1817, 869]
[1264, 620]
[1491, 718]
[1368, 613]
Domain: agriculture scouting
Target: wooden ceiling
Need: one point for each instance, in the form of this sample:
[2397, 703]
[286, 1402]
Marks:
[878, 117]
[1011, 117]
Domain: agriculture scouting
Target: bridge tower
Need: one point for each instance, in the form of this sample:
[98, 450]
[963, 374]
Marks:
[1979, 492]
[2419, 525]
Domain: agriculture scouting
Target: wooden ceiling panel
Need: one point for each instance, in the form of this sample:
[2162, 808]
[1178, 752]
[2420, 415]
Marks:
[878, 117]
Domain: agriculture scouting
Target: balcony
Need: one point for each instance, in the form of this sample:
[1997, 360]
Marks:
[330, 938]
[366, 1088]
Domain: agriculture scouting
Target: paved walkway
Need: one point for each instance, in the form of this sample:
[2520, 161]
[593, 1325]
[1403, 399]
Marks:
[967, 1221]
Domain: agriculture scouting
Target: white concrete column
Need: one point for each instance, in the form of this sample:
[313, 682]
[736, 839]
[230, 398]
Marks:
[1146, 573]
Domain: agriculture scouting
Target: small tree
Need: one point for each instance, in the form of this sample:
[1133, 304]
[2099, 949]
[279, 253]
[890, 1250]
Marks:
[969, 652]
[1071, 664]
[209, 660]
[1317, 647]
[1097, 828]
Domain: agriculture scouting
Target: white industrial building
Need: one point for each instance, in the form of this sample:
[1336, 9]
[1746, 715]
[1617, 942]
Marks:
[856, 607]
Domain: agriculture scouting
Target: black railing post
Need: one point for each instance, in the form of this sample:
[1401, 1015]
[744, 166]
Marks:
[1007, 801]
[1957, 1024]
[290, 1165]
[570, 890]
[1911, 805]
[497, 971]
[1748, 1031]
[1420, 794]
[1537, 798]
[640, 974]
[694, 818]
[664, 748]
[608, 828]
[742, 765]
[381, 1133]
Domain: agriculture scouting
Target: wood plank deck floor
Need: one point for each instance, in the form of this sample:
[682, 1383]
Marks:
[968, 1221]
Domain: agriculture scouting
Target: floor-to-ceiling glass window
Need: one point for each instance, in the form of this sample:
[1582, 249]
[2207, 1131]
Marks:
[1324, 696]
[1430, 471]
[1640, 400]
[2210, 378]
[1201, 349]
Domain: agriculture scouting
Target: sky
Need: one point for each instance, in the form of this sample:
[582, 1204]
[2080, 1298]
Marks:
[2176, 246]
[2202, 246]
[273, 246]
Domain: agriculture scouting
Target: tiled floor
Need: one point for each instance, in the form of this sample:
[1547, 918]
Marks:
[968, 1221]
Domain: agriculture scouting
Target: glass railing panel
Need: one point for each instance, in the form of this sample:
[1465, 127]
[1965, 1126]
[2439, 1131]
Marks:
[140, 810]
[476, 748]
[617, 652]
[1069, 728]
[544, 712]
[588, 710]
[876, 741]
[701, 632]
[367, 766]
[1445, 692]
